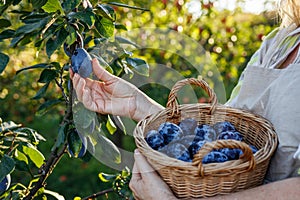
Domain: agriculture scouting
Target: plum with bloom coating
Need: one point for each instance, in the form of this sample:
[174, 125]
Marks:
[188, 126]
[205, 132]
[214, 157]
[81, 62]
[232, 154]
[233, 135]
[5, 183]
[223, 126]
[177, 150]
[154, 139]
[170, 131]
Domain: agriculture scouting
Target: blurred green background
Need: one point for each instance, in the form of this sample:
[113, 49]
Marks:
[229, 36]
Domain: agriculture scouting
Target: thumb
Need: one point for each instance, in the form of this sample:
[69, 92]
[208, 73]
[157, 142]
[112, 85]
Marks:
[142, 164]
[100, 72]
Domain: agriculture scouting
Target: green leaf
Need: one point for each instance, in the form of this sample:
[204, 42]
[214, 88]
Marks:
[41, 92]
[127, 6]
[29, 28]
[21, 156]
[87, 17]
[74, 142]
[38, 4]
[8, 33]
[69, 5]
[37, 66]
[4, 23]
[139, 65]
[4, 59]
[125, 41]
[34, 17]
[83, 117]
[125, 172]
[105, 27]
[120, 26]
[72, 35]
[106, 12]
[54, 43]
[31, 134]
[61, 136]
[47, 75]
[10, 125]
[119, 123]
[46, 106]
[111, 127]
[106, 177]
[7, 165]
[53, 6]
[54, 194]
[35, 155]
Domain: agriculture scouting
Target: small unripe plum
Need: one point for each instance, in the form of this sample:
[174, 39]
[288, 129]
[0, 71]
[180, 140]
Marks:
[5, 183]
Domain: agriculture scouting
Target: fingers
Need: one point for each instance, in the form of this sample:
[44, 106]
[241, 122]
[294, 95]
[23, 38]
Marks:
[71, 73]
[100, 72]
[135, 181]
[143, 167]
[79, 84]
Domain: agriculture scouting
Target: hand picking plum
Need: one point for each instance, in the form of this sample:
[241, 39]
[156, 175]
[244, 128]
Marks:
[170, 131]
[81, 62]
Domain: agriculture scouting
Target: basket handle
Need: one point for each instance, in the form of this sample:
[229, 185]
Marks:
[219, 144]
[172, 102]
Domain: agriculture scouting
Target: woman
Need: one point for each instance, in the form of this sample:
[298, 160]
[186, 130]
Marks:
[269, 86]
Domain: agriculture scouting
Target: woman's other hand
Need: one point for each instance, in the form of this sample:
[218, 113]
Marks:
[145, 183]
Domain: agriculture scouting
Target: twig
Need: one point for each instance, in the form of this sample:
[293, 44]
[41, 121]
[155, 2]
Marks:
[93, 196]
[46, 170]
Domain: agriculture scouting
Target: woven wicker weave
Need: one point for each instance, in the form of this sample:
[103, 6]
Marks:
[194, 180]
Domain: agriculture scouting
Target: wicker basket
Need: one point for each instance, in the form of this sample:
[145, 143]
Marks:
[195, 180]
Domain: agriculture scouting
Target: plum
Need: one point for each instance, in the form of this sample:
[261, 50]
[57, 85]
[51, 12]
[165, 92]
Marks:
[154, 139]
[170, 131]
[214, 157]
[223, 126]
[205, 132]
[5, 183]
[253, 148]
[188, 126]
[81, 62]
[232, 154]
[177, 150]
[227, 135]
[195, 147]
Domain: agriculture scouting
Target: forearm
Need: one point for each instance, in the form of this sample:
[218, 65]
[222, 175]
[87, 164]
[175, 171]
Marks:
[285, 189]
[145, 106]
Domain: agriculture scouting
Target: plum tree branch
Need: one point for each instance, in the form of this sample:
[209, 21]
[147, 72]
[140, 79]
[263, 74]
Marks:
[55, 156]
[93, 196]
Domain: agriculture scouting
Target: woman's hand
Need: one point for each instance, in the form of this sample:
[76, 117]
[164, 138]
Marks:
[145, 183]
[112, 95]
